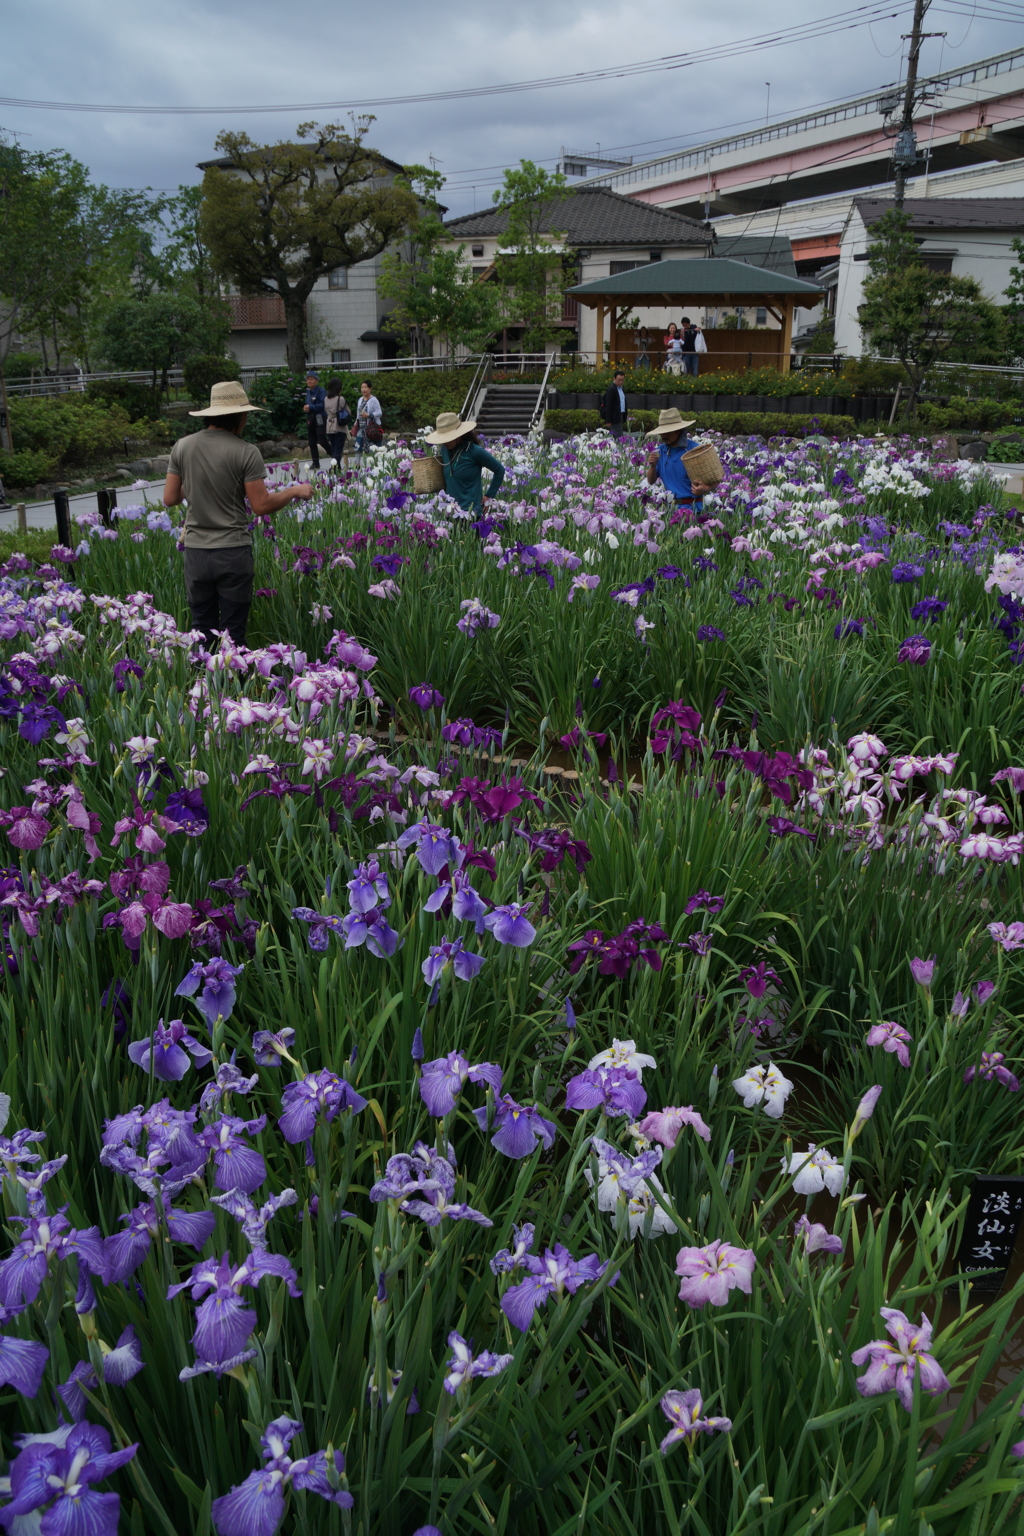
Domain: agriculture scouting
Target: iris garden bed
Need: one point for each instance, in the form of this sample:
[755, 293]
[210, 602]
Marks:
[484, 1087]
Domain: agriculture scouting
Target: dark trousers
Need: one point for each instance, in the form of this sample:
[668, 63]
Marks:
[336, 445]
[317, 440]
[218, 585]
[690, 363]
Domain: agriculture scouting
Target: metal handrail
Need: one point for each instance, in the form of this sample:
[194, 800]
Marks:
[542, 392]
[481, 374]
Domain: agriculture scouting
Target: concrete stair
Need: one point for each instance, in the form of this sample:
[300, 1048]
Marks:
[507, 408]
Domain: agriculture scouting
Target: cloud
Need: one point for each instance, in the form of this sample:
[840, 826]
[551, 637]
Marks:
[223, 53]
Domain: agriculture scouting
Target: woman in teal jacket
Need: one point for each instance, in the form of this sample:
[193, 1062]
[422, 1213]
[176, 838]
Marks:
[463, 461]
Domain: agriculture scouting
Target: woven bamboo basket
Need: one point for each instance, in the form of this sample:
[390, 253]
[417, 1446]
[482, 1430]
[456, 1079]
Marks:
[704, 465]
[427, 475]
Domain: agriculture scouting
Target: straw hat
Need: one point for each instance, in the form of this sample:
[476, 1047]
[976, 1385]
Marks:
[227, 399]
[670, 421]
[449, 426]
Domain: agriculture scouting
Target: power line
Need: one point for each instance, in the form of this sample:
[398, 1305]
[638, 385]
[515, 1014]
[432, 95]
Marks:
[826, 26]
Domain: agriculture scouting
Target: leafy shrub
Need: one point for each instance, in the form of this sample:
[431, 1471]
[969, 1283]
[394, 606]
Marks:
[206, 370]
[139, 401]
[69, 429]
[975, 415]
[735, 423]
[25, 466]
[1006, 450]
[19, 365]
[279, 393]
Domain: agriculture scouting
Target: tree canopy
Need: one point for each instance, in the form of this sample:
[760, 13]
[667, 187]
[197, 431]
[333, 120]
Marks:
[531, 264]
[281, 216]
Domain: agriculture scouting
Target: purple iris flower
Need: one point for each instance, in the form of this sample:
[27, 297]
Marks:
[467, 904]
[217, 980]
[22, 1361]
[368, 888]
[321, 926]
[318, 1093]
[120, 1364]
[847, 627]
[371, 929]
[708, 632]
[893, 1038]
[436, 847]
[818, 1238]
[426, 697]
[509, 925]
[167, 1050]
[423, 1182]
[268, 1048]
[57, 1479]
[253, 1219]
[904, 571]
[930, 608]
[916, 649]
[922, 971]
[224, 1323]
[510, 1259]
[238, 1165]
[703, 901]
[442, 1081]
[518, 1127]
[187, 810]
[554, 1274]
[991, 1069]
[256, 1507]
[710, 1273]
[128, 1249]
[685, 1413]
[34, 1183]
[464, 1365]
[614, 1090]
[47, 1239]
[227, 1079]
[756, 978]
[894, 1362]
[451, 952]
[174, 1155]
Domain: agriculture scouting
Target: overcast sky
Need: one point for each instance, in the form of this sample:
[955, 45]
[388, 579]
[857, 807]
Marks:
[225, 54]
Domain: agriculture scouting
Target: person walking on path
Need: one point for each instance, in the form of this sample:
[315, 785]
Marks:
[316, 418]
[613, 406]
[368, 419]
[673, 349]
[691, 362]
[665, 463]
[463, 461]
[214, 472]
[338, 414]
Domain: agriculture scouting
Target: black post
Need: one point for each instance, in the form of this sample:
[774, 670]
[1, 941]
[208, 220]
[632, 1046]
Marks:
[106, 500]
[905, 153]
[62, 508]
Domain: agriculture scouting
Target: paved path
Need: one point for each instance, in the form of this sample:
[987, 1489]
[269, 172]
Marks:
[40, 514]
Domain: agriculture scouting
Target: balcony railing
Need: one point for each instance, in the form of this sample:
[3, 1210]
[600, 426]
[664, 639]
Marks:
[260, 310]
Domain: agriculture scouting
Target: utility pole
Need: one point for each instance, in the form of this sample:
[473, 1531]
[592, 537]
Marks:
[905, 152]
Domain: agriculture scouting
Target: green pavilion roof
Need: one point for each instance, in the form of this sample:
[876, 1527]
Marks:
[714, 277]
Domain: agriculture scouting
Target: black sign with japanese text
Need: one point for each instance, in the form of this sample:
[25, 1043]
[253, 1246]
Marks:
[990, 1231]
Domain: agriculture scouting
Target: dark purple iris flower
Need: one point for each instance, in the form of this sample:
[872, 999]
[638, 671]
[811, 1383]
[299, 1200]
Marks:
[256, 1507]
[703, 901]
[124, 669]
[709, 632]
[128, 1249]
[423, 1182]
[466, 734]
[47, 1239]
[216, 979]
[614, 1090]
[224, 1323]
[903, 571]
[931, 608]
[187, 810]
[915, 649]
[319, 1093]
[442, 1081]
[756, 978]
[554, 846]
[165, 1053]
[426, 697]
[518, 1128]
[389, 565]
[781, 826]
[847, 627]
[678, 722]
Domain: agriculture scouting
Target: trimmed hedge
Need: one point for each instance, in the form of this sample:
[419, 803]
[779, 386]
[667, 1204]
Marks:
[26, 466]
[733, 423]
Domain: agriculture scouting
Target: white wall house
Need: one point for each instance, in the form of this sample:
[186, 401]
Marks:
[343, 311]
[605, 233]
[969, 237]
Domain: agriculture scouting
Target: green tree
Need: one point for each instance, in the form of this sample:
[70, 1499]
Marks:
[286, 214]
[919, 316]
[158, 330]
[1014, 311]
[435, 290]
[531, 263]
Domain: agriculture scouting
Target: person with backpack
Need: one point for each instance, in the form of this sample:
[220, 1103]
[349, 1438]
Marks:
[369, 418]
[316, 418]
[463, 460]
[338, 414]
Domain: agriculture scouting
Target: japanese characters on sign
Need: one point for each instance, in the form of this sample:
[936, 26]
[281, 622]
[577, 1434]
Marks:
[990, 1231]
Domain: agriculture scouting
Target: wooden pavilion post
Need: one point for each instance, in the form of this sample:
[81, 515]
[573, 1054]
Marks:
[599, 340]
[787, 334]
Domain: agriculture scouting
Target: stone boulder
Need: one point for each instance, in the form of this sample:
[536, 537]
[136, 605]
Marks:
[161, 464]
[975, 448]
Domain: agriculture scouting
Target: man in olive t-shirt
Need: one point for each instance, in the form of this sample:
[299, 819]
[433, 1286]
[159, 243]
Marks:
[215, 472]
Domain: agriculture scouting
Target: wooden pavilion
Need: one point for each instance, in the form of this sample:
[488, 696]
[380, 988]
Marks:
[705, 283]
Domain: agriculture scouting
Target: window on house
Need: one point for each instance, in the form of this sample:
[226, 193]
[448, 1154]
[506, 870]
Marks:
[762, 317]
[478, 250]
[655, 255]
[338, 278]
[341, 355]
[937, 263]
[479, 271]
[625, 266]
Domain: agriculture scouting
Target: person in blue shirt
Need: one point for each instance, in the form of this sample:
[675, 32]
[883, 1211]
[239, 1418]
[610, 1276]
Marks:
[463, 461]
[665, 463]
[316, 418]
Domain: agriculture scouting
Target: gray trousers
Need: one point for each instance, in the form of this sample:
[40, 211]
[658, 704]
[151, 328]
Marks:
[218, 585]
